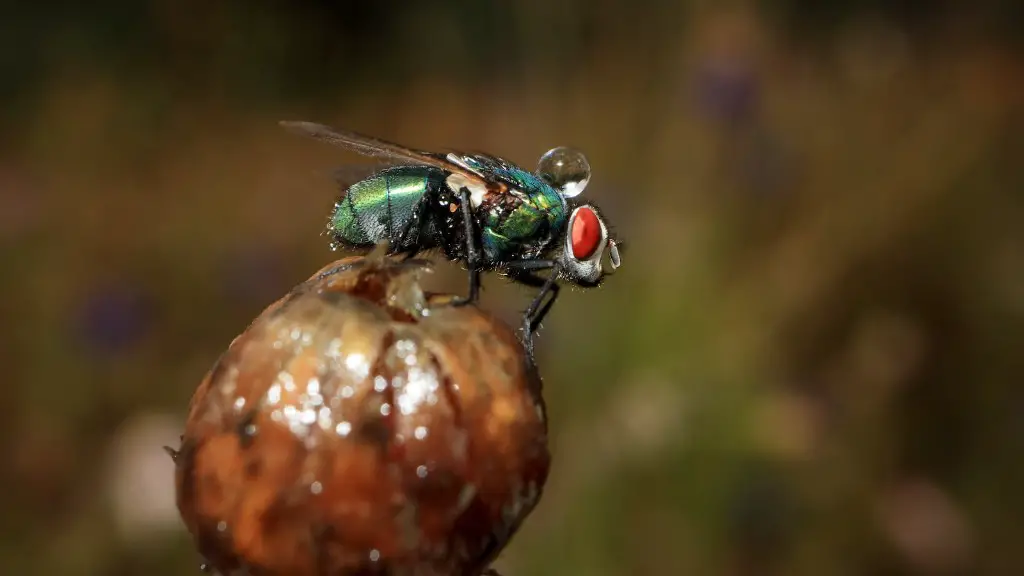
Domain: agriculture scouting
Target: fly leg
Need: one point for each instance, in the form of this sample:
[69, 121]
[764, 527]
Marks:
[538, 310]
[472, 252]
[523, 273]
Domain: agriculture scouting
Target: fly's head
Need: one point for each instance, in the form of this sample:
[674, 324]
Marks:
[589, 251]
[588, 245]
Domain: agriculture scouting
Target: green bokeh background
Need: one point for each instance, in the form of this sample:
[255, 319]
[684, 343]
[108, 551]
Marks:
[809, 364]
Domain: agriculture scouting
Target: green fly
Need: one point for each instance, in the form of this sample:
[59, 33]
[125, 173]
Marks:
[478, 209]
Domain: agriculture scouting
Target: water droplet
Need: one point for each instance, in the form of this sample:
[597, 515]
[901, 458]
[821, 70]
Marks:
[343, 428]
[316, 488]
[420, 432]
[222, 526]
[421, 471]
[385, 409]
[374, 555]
[566, 169]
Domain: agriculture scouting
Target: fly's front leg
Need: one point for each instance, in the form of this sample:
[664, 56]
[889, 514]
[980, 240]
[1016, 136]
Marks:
[523, 272]
[472, 252]
[538, 310]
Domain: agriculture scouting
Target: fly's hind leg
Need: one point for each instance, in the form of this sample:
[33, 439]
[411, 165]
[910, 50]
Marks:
[472, 252]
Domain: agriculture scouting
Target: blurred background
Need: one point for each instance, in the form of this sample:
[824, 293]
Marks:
[809, 363]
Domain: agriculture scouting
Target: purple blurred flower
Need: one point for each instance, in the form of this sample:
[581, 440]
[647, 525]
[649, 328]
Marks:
[113, 317]
[727, 90]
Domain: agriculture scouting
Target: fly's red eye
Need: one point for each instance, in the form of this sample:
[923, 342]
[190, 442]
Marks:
[586, 233]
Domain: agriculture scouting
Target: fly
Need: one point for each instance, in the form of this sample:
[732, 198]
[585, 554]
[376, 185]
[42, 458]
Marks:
[479, 209]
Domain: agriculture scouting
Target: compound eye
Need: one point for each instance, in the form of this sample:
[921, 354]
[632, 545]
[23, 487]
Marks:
[566, 169]
[585, 231]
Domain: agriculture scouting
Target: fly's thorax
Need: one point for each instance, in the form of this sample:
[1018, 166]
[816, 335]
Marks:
[516, 224]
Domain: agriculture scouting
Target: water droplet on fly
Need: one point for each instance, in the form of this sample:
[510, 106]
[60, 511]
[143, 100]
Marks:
[566, 169]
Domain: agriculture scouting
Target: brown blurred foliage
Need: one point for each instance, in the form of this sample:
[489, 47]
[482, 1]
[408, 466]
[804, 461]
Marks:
[806, 365]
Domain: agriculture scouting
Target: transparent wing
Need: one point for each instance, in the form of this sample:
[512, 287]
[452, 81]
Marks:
[375, 147]
[349, 174]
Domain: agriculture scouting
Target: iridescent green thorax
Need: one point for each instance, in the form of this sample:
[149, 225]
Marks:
[522, 222]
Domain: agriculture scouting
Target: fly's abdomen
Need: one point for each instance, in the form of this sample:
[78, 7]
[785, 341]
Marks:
[382, 206]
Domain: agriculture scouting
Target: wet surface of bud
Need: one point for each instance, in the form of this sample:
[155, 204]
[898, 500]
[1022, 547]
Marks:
[360, 426]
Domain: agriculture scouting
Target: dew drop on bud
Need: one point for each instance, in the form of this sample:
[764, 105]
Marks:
[566, 169]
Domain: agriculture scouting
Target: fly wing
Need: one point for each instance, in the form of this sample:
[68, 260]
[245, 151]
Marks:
[375, 147]
[349, 174]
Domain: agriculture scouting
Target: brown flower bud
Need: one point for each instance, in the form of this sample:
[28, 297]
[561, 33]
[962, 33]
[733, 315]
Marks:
[361, 426]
